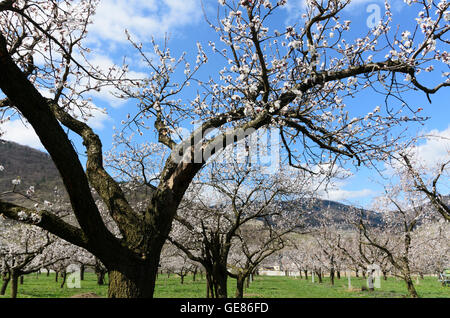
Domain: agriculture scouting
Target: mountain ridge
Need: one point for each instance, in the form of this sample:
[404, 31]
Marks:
[35, 168]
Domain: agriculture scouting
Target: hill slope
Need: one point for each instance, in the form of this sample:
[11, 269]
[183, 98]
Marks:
[33, 167]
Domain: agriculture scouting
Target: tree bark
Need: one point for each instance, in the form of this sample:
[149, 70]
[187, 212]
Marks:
[332, 276]
[411, 289]
[6, 277]
[208, 286]
[82, 270]
[136, 280]
[220, 278]
[100, 278]
[63, 276]
[240, 286]
[182, 278]
[14, 283]
[319, 275]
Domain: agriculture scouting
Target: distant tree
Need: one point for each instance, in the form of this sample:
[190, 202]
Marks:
[426, 182]
[255, 243]
[225, 204]
[24, 249]
[395, 238]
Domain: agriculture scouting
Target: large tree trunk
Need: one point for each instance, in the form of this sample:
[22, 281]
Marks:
[220, 286]
[140, 284]
[220, 278]
[217, 277]
[133, 280]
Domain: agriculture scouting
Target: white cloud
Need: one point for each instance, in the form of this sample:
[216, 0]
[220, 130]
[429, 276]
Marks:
[142, 18]
[18, 131]
[23, 133]
[429, 153]
[435, 149]
[343, 195]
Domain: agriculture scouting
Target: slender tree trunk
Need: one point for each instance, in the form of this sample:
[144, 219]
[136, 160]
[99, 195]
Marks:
[220, 277]
[14, 283]
[240, 286]
[100, 277]
[63, 276]
[319, 275]
[209, 293]
[48, 272]
[410, 285]
[82, 270]
[306, 274]
[21, 279]
[338, 274]
[6, 277]
[56, 276]
[332, 276]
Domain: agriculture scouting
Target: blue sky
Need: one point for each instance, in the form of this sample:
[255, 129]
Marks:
[183, 21]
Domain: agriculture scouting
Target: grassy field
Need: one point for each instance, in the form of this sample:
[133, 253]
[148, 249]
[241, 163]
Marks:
[262, 287]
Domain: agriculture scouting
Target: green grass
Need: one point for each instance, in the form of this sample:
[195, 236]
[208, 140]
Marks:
[262, 287]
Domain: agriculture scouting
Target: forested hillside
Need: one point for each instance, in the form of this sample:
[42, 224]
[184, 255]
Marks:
[31, 166]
